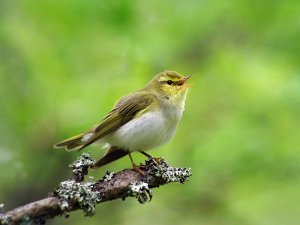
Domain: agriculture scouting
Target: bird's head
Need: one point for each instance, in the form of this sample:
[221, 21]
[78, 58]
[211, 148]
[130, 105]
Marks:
[170, 83]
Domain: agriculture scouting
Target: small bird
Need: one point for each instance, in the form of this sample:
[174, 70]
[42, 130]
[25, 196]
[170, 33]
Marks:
[140, 121]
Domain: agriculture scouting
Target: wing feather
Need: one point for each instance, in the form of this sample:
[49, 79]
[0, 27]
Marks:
[123, 112]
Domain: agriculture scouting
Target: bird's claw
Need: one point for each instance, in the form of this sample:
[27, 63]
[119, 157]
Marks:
[137, 169]
[157, 161]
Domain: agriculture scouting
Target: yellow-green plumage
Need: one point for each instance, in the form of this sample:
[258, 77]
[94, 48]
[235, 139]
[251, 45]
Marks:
[144, 119]
[123, 112]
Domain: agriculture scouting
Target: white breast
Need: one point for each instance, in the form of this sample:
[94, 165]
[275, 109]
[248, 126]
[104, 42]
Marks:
[146, 132]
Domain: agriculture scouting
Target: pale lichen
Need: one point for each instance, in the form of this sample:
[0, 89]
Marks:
[165, 172]
[141, 191]
[5, 219]
[108, 176]
[72, 193]
[157, 173]
[81, 165]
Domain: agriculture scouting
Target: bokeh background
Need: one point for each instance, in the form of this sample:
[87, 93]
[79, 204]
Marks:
[64, 63]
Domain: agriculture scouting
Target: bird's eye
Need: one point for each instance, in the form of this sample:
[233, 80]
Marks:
[169, 82]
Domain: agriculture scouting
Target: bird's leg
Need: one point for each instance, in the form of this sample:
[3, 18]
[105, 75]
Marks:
[146, 154]
[157, 160]
[135, 167]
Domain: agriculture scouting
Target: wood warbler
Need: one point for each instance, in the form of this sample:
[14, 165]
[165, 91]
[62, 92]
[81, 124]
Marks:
[140, 121]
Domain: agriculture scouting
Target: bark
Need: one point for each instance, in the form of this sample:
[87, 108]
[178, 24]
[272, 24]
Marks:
[75, 193]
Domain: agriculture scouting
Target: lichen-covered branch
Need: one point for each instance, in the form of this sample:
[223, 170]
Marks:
[75, 193]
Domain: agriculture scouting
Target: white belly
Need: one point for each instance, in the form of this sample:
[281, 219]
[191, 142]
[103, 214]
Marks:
[144, 133]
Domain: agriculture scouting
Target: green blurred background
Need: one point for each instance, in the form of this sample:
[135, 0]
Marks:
[64, 63]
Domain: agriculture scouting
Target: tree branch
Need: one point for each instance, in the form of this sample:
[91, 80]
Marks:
[75, 193]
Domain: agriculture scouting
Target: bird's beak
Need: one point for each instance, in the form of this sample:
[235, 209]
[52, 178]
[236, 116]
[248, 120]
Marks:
[187, 77]
[181, 82]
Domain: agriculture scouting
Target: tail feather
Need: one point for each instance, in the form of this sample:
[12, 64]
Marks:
[78, 141]
[72, 143]
[112, 154]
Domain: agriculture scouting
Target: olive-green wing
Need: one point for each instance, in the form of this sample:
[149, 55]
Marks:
[124, 111]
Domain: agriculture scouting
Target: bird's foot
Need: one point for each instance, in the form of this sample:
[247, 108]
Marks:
[137, 169]
[156, 160]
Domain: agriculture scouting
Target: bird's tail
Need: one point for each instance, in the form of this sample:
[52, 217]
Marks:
[73, 143]
[112, 154]
[79, 141]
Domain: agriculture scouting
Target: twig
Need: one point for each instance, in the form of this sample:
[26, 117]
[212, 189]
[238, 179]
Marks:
[74, 194]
